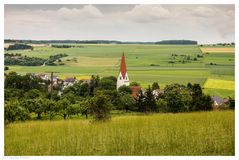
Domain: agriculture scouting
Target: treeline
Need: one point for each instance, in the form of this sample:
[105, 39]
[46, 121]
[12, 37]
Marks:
[56, 42]
[19, 46]
[177, 42]
[66, 46]
[27, 95]
[18, 59]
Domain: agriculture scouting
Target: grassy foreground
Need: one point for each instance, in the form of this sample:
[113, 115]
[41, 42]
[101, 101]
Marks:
[201, 133]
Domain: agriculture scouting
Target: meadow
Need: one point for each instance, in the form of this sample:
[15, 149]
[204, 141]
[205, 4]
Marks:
[145, 63]
[198, 133]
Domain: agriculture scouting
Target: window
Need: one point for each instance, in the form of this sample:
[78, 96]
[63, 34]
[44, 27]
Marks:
[126, 77]
[120, 77]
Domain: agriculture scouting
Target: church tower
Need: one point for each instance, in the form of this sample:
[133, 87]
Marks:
[123, 78]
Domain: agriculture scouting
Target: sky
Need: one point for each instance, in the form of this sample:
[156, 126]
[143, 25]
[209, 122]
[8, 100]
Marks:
[141, 22]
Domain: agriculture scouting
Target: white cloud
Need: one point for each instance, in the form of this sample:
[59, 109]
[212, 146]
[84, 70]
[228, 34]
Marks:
[148, 13]
[205, 23]
[87, 11]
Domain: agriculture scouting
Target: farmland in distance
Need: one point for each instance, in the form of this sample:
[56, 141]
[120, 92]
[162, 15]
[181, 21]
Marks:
[146, 64]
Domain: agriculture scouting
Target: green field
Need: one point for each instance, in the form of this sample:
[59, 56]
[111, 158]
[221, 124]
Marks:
[146, 63]
[199, 133]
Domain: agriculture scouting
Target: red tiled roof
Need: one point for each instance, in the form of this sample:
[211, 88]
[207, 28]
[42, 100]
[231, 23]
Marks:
[135, 90]
[123, 66]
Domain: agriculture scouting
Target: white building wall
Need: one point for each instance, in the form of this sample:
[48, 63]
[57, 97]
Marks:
[122, 81]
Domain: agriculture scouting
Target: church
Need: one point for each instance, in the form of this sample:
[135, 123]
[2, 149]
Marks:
[123, 78]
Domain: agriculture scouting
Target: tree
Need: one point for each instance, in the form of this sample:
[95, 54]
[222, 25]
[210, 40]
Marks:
[127, 102]
[140, 101]
[14, 111]
[84, 107]
[25, 82]
[53, 95]
[107, 83]
[231, 103]
[33, 93]
[62, 106]
[12, 93]
[134, 84]
[206, 103]
[161, 105]
[199, 101]
[155, 86]
[51, 108]
[113, 96]
[150, 103]
[73, 109]
[177, 97]
[36, 105]
[94, 83]
[100, 107]
[6, 68]
[83, 90]
[114, 79]
[71, 97]
[124, 90]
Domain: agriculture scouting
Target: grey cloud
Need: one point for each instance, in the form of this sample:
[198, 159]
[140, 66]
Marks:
[206, 23]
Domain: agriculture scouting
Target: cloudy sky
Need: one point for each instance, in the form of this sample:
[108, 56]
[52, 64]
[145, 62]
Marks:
[204, 23]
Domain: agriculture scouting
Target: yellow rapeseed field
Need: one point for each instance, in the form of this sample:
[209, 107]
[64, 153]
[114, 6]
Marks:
[219, 49]
[219, 84]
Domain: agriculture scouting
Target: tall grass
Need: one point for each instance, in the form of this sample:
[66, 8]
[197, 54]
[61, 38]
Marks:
[201, 133]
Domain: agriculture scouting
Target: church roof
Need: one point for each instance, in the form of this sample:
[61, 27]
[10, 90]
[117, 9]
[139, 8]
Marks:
[123, 66]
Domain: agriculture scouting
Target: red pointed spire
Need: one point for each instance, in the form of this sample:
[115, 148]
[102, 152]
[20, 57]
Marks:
[123, 66]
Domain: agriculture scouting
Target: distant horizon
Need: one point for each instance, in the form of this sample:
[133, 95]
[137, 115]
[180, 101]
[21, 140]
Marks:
[207, 23]
[108, 40]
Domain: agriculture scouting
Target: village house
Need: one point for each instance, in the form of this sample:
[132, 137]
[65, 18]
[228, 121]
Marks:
[69, 82]
[218, 101]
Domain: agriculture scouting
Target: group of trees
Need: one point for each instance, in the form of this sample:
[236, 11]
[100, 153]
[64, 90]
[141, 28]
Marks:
[177, 42]
[18, 46]
[65, 46]
[28, 95]
[182, 58]
[18, 59]
[54, 58]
